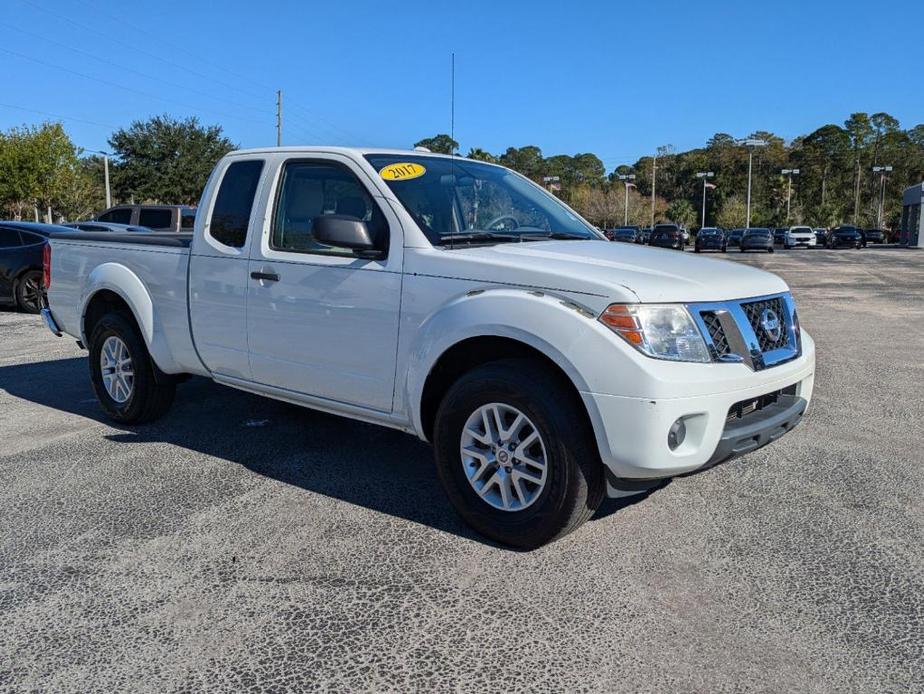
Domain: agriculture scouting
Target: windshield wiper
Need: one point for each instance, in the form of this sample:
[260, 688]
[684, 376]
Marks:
[476, 237]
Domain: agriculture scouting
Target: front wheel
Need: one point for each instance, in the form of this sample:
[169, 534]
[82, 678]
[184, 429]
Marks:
[127, 383]
[516, 455]
[29, 292]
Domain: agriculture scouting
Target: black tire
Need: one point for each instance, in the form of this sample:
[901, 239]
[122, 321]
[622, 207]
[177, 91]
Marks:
[29, 290]
[725, 249]
[696, 250]
[741, 249]
[575, 486]
[769, 250]
[152, 391]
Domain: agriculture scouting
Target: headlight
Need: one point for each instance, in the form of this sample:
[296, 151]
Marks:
[663, 331]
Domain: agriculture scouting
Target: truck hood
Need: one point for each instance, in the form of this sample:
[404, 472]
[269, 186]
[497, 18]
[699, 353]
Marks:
[617, 271]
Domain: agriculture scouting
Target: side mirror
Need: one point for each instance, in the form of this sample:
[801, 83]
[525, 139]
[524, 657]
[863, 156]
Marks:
[343, 231]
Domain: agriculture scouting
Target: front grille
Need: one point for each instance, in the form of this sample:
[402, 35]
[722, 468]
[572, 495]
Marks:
[746, 407]
[716, 333]
[755, 309]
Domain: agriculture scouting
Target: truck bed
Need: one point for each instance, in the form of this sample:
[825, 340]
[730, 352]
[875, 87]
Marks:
[157, 238]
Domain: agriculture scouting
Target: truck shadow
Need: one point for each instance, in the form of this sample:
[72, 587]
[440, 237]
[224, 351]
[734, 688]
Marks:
[370, 466]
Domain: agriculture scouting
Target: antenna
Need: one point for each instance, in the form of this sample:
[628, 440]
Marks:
[452, 136]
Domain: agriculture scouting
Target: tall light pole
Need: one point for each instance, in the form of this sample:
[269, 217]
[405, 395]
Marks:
[626, 178]
[106, 156]
[662, 151]
[790, 173]
[882, 171]
[751, 144]
[704, 175]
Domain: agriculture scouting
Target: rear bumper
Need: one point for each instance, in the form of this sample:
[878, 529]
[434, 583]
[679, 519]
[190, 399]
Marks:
[51, 323]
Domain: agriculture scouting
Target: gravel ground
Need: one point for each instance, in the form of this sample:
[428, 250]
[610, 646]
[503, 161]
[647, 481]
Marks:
[243, 544]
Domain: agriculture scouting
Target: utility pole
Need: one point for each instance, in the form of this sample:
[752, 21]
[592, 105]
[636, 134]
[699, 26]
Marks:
[279, 118]
[106, 156]
[882, 171]
[626, 178]
[790, 173]
[751, 144]
[654, 178]
[856, 195]
[106, 176]
[704, 175]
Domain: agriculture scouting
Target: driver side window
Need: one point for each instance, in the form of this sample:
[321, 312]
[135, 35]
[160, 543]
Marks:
[312, 189]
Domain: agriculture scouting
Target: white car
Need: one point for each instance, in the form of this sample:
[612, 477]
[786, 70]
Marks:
[454, 300]
[800, 236]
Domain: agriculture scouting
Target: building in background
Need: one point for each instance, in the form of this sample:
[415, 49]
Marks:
[910, 234]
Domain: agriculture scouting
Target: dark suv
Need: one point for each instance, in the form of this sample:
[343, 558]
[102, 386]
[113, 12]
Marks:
[873, 236]
[625, 234]
[667, 236]
[845, 236]
[155, 217]
[757, 239]
[710, 238]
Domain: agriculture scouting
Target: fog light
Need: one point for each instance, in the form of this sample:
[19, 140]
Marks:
[677, 433]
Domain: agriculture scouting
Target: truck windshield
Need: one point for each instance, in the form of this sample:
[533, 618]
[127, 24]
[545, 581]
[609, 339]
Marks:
[460, 201]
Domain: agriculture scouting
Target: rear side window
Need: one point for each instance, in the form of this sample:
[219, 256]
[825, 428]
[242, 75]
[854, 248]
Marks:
[121, 215]
[156, 219]
[30, 239]
[9, 238]
[234, 202]
[187, 220]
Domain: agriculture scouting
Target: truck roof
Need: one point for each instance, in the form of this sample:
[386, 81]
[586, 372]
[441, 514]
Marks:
[360, 151]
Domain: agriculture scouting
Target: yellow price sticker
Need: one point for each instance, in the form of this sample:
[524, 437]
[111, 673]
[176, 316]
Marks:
[402, 171]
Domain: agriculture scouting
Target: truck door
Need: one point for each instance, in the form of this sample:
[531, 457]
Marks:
[320, 320]
[218, 271]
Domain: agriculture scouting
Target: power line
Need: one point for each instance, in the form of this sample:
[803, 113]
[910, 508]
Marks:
[122, 86]
[236, 104]
[59, 116]
[135, 49]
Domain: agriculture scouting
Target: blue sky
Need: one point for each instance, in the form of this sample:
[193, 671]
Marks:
[615, 79]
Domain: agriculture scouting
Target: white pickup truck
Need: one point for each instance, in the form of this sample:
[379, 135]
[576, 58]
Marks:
[454, 300]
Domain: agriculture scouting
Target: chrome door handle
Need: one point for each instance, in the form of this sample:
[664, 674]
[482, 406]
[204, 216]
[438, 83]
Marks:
[267, 276]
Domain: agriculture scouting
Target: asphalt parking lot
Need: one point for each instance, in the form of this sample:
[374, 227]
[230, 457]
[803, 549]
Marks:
[248, 545]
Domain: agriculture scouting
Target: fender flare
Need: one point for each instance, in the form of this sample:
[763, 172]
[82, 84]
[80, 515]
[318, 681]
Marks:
[121, 281]
[490, 313]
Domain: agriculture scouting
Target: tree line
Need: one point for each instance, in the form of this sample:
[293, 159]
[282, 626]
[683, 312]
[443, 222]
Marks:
[43, 174]
[835, 184]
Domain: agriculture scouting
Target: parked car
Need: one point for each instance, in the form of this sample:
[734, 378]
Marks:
[710, 239]
[800, 236]
[107, 226]
[625, 235]
[155, 217]
[733, 237]
[757, 239]
[667, 236]
[644, 235]
[873, 236]
[845, 236]
[821, 236]
[779, 236]
[547, 367]
[21, 247]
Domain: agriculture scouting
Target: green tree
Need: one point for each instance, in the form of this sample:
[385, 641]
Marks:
[481, 155]
[166, 160]
[681, 212]
[733, 213]
[441, 144]
[527, 160]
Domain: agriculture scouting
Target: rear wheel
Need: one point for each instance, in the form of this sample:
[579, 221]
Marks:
[29, 292]
[515, 454]
[128, 385]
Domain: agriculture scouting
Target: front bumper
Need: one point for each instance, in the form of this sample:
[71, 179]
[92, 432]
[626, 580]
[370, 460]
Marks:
[632, 432]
